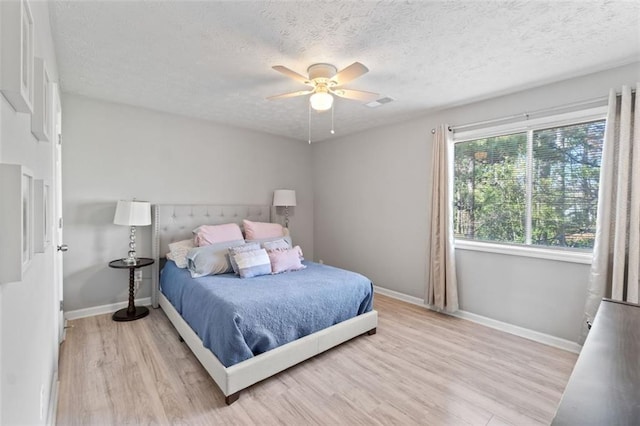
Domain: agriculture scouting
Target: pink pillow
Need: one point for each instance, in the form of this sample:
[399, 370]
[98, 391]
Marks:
[285, 260]
[211, 234]
[260, 230]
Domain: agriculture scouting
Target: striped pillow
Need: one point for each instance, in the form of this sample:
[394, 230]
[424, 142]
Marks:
[253, 263]
[239, 249]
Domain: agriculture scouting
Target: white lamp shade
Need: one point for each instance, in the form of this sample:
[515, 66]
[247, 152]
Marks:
[284, 198]
[133, 213]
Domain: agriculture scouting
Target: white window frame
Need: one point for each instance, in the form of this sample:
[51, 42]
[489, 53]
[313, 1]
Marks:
[526, 126]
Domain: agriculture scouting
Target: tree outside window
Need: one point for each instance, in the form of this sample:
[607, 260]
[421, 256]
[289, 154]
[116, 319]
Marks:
[538, 187]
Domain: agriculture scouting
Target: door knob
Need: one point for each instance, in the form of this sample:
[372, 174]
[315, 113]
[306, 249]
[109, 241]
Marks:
[63, 248]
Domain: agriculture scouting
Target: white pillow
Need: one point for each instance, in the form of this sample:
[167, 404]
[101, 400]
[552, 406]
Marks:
[178, 252]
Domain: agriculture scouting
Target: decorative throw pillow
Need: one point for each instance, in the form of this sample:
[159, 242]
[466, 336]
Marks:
[299, 251]
[279, 244]
[212, 234]
[178, 252]
[260, 230]
[240, 249]
[210, 260]
[286, 236]
[285, 260]
[253, 263]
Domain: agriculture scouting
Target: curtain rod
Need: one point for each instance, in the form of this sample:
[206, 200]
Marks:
[527, 115]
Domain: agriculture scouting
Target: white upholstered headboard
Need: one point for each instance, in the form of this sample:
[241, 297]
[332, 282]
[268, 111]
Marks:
[175, 222]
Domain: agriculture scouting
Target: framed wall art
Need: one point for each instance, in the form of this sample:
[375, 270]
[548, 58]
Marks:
[27, 218]
[16, 38]
[16, 221]
[42, 104]
[41, 216]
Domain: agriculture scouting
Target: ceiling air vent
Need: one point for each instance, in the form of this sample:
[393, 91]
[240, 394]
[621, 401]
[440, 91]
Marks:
[379, 102]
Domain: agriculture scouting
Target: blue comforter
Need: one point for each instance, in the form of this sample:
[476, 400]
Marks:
[240, 318]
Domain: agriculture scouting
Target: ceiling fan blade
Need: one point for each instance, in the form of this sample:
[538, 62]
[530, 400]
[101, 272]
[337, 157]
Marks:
[290, 94]
[292, 74]
[351, 72]
[358, 95]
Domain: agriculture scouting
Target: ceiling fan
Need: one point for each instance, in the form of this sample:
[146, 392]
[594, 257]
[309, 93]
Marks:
[325, 80]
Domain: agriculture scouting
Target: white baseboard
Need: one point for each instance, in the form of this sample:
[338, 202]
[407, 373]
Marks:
[104, 309]
[400, 296]
[52, 410]
[536, 336]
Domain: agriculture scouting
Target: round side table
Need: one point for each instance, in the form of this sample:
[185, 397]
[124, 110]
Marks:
[131, 312]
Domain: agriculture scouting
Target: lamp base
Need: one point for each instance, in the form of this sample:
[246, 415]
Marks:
[286, 217]
[131, 255]
[123, 315]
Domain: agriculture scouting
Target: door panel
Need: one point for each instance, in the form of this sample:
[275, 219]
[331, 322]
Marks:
[58, 222]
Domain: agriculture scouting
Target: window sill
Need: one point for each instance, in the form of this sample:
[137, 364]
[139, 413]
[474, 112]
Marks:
[526, 251]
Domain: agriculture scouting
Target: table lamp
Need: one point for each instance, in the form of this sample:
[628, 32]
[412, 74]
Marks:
[132, 213]
[284, 198]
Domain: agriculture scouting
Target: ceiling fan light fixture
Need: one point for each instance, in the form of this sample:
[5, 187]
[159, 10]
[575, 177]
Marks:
[321, 101]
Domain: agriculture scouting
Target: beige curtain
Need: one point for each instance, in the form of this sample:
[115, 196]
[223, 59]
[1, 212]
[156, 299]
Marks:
[442, 288]
[616, 255]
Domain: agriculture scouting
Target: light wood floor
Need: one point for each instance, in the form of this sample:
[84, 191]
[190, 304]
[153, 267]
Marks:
[421, 368]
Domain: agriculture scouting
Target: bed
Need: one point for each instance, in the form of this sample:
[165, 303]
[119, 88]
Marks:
[234, 373]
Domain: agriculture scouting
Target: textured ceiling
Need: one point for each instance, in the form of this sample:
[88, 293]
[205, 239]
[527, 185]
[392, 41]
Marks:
[212, 60]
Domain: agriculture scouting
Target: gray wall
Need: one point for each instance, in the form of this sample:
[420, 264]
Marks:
[28, 311]
[539, 294]
[113, 151]
[372, 196]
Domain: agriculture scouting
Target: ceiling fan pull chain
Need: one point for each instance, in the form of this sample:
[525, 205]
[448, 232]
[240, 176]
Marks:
[309, 123]
[333, 132]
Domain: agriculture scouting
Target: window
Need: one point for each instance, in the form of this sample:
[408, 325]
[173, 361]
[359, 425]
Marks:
[534, 187]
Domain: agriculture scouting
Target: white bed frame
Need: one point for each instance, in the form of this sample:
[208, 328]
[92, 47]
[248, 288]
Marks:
[174, 223]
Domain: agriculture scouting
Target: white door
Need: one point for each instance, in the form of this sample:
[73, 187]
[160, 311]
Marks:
[59, 246]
